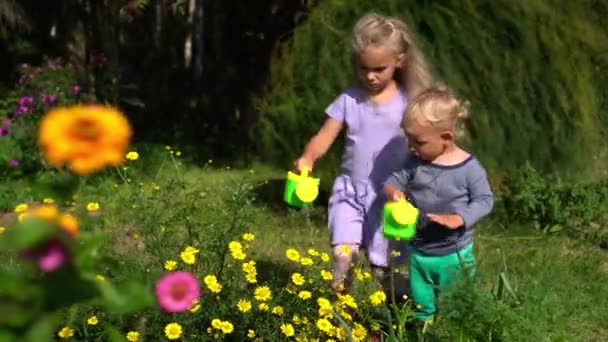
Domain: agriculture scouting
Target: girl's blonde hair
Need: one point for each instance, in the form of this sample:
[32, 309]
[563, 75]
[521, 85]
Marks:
[378, 30]
[440, 108]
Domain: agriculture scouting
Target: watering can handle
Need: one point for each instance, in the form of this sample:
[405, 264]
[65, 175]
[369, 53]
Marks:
[304, 171]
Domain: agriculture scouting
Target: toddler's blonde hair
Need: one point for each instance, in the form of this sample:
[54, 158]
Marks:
[440, 108]
[378, 30]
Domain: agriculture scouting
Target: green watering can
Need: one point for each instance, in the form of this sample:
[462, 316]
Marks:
[399, 220]
[300, 190]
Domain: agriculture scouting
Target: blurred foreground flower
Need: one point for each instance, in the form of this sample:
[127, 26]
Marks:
[86, 138]
[52, 253]
[49, 256]
[177, 291]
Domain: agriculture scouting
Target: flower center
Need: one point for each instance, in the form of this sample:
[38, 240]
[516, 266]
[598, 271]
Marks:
[85, 129]
[178, 291]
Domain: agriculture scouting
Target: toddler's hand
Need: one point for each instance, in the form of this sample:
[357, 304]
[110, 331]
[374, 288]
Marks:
[397, 196]
[303, 162]
[451, 221]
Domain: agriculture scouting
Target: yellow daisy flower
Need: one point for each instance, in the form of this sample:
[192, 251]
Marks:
[326, 275]
[132, 155]
[92, 206]
[66, 332]
[324, 325]
[377, 298]
[20, 208]
[262, 293]
[325, 257]
[248, 237]
[278, 310]
[287, 329]
[306, 261]
[243, 305]
[173, 331]
[305, 295]
[92, 320]
[226, 327]
[298, 279]
[292, 255]
[170, 265]
[132, 336]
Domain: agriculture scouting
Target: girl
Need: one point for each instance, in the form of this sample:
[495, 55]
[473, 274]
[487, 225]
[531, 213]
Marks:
[449, 185]
[389, 69]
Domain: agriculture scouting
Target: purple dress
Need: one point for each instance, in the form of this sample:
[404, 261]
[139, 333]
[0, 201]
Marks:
[375, 147]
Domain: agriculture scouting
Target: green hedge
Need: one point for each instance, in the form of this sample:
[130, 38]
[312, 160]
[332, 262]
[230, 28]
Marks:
[534, 71]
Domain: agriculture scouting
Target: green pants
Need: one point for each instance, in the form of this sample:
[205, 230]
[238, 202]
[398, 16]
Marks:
[428, 274]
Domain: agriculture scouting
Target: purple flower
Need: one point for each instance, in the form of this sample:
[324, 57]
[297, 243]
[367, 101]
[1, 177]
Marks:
[6, 122]
[25, 100]
[76, 89]
[25, 66]
[3, 132]
[48, 98]
[14, 162]
[21, 110]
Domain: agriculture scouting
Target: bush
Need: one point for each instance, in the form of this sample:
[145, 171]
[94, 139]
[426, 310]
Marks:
[553, 205]
[532, 71]
[37, 90]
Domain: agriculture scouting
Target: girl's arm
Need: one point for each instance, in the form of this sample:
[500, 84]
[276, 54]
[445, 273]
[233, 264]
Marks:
[320, 143]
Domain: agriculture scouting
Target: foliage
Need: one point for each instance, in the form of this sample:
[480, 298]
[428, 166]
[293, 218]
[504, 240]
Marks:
[37, 89]
[552, 205]
[534, 98]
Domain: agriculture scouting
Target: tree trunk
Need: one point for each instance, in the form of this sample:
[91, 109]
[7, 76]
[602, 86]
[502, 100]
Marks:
[188, 42]
[198, 39]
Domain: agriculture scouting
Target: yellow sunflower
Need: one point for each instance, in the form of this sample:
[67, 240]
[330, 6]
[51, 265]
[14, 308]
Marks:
[86, 138]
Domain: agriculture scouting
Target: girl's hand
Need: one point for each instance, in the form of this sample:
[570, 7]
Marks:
[452, 221]
[303, 162]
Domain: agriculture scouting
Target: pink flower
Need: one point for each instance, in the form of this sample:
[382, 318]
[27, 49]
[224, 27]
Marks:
[177, 291]
[6, 122]
[50, 256]
[76, 89]
[13, 162]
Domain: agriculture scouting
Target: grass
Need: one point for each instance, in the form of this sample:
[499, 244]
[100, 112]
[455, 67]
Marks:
[561, 283]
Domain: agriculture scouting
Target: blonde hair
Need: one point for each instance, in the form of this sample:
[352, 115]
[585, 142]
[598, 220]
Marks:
[440, 108]
[378, 30]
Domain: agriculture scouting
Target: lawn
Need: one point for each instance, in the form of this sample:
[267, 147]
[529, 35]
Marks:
[154, 206]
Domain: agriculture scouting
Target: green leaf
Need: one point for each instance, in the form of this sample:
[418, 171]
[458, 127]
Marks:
[42, 330]
[113, 334]
[27, 234]
[6, 336]
[19, 299]
[59, 185]
[65, 287]
[126, 298]
[556, 228]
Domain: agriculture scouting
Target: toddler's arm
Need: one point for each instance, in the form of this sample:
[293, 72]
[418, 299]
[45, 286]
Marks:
[481, 199]
[320, 143]
[395, 185]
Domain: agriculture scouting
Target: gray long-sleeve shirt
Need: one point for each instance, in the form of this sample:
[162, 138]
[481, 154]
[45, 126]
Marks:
[461, 189]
